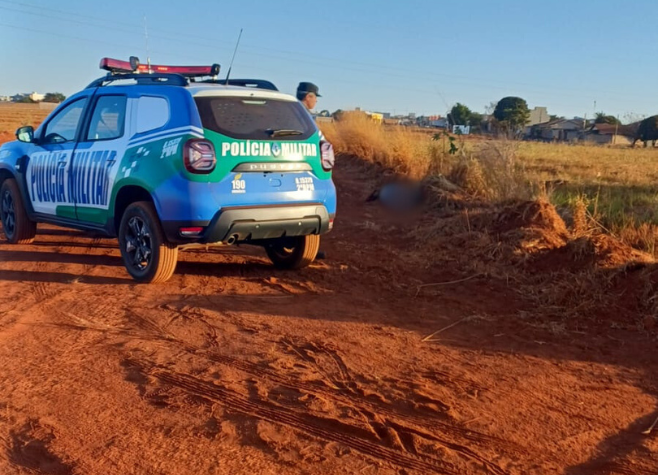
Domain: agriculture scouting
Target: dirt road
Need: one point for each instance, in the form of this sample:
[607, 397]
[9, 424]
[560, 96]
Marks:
[234, 368]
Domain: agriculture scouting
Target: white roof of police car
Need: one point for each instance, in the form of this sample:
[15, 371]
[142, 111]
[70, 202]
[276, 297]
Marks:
[205, 90]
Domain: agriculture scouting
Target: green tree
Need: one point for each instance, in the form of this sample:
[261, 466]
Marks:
[512, 114]
[54, 97]
[602, 118]
[25, 100]
[460, 114]
[476, 121]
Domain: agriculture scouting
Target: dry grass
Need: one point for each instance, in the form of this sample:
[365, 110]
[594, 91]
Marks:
[408, 153]
[13, 116]
[487, 170]
[612, 189]
[618, 185]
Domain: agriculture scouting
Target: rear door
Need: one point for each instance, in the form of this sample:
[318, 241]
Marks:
[94, 166]
[49, 163]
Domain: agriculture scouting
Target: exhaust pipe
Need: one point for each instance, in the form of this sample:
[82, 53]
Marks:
[232, 239]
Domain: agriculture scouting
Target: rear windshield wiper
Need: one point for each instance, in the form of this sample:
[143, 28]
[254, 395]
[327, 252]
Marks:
[283, 132]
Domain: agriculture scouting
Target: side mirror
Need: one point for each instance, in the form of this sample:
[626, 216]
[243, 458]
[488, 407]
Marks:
[25, 134]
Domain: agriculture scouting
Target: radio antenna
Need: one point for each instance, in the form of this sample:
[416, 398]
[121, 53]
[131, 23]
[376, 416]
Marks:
[146, 39]
[235, 51]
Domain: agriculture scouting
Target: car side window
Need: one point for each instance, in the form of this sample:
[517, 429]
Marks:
[107, 121]
[63, 126]
[152, 113]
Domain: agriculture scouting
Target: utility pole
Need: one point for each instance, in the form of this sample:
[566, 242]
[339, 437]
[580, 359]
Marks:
[146, 39]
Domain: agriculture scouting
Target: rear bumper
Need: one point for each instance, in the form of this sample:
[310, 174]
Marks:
[255, 224]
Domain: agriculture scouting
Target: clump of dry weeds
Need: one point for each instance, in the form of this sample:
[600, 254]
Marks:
[490, 171]
[405, 152]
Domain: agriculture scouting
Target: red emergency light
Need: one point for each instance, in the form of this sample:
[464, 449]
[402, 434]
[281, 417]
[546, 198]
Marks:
[117, 66]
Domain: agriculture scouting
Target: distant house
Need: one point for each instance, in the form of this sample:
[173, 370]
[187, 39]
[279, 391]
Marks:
[611, 134]
[559, 130]
[538, 115]
[438, 121]
[321, 118]
[36, 97]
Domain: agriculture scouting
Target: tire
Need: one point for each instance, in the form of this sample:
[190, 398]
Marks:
[293, 252]
[18, 228]
[147, 255]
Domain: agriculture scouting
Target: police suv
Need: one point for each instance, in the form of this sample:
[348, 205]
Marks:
[163, 157]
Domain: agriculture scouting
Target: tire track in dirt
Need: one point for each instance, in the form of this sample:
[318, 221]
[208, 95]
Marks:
[307, 350]
[31, 295]
[389, 424]
[330, 392]
[328, 430]
[362, 402]
[378, 414]
[386, 426]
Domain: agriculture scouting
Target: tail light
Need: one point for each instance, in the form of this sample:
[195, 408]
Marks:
[199, 156]
[191, 232]
[328, 157]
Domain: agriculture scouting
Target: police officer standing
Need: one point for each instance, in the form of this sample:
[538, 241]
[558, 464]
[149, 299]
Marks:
[308, 94]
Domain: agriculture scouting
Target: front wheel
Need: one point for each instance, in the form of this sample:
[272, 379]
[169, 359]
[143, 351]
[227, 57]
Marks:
[147, 255]
[18, 227]
[293, 252]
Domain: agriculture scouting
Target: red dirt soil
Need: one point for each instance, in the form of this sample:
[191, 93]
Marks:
[232, 367]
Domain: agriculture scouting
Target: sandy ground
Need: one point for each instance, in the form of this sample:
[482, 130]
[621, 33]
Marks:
[232, 367]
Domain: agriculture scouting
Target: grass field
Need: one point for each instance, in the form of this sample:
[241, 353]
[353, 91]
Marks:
[13, 116]
[619, 185]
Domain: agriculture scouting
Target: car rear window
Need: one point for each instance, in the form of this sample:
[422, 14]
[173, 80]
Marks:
[255, 118]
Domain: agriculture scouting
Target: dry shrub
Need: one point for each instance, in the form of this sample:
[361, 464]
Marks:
[580, 225]
[531, 214]
[489, 170]
[503, 171]
[407, 152]
[527, 228]
[469, 175]
[643, 236]
[492, 172]
[613, 253]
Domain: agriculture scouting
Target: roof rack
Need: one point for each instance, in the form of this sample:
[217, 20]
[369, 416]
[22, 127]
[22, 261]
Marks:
[157, 79]
[151, 73]
[252, 83]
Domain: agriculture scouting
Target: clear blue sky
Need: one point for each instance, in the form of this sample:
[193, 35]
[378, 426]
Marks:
[416, 56]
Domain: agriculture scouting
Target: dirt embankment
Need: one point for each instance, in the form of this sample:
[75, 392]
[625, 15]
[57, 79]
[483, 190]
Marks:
[425, 343]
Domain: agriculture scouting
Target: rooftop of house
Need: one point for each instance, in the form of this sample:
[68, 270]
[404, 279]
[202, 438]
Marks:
[612, 129]
[561, 123]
